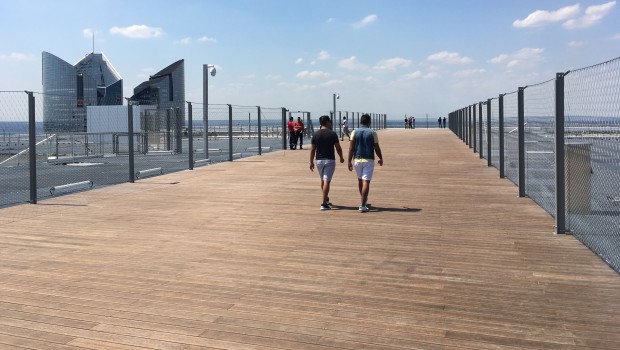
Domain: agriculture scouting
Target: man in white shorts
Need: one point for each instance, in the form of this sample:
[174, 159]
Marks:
[323, 143]
[363, 146]
[345, 129]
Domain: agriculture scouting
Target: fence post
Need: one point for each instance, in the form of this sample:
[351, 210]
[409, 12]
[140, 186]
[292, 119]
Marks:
[32, 147]
[284, 128]
[132, 172]
[560, 195]
[501, 137]
[260, 139]
[489, 132]
[230, 134]
[480, 148]
[521, 131]
[190, 136]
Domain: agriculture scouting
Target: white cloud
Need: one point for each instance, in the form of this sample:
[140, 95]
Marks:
[469, 72]
[575, 44]
[16, 57]
[449, 58]
[323, 55]
[616, 37]
[366, 21]
[138, 31]
[312, 74]
[299, 60]
[419, 75]
[206, 39]
[392, 63]
[499, 59]
[541, 18]
[331, 20]
[352, 64]
[273, 77]
[332, 83]
[186, 41]
[594, 14]
[88, 33]
[526, 55]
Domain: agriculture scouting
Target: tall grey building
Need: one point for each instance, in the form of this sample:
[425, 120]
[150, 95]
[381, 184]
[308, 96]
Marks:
[68, 89]
[165, 89]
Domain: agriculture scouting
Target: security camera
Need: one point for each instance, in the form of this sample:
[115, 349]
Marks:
[337, 97]
[213, 72]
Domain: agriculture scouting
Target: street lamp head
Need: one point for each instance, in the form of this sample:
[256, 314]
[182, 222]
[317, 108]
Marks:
[337, 97]
[213, 72]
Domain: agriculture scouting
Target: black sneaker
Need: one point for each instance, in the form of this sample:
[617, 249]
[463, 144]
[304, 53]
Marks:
[328, 202]
[325, 206]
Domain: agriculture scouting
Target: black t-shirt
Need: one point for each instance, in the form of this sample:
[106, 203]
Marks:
[324, 140]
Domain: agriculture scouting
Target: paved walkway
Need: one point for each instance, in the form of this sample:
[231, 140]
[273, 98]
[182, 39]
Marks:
[239, 256]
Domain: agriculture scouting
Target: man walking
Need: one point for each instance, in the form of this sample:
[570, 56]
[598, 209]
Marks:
[345, 129]
[363, 146]
[323, 143]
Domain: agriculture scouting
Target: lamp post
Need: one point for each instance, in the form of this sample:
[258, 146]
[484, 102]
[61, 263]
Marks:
[336, 96]
[205, 102]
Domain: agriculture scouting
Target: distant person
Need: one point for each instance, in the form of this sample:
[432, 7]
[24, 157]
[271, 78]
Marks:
[439, 121]
[413, 122]
[345, 129]
[362, 147]
[299, 133]
[406, 122]
[292, 142]
[323, 143]
[444, 122]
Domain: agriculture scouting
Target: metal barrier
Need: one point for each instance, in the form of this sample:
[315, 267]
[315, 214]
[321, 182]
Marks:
[559, 141]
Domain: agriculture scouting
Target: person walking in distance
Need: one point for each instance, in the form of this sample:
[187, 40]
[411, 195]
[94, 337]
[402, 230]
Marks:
[323, 143]
[291, 133]
[439, 121]
[345, 129]
[299, 133]
[443, 122]
[362, 147]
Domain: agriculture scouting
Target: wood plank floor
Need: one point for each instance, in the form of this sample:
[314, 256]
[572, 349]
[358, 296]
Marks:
[239, 256]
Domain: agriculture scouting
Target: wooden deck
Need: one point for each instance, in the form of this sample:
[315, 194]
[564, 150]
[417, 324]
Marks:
[239, 256]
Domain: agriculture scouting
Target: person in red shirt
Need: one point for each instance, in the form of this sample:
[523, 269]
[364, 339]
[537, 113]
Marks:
[299, 133]
[292, 142]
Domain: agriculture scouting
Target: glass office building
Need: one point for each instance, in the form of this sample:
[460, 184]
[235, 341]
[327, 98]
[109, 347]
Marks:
[165, 89]
[68, 89]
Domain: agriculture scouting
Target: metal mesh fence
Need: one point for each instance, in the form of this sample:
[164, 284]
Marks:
[14, 147]
[495, 133]
[483, 136]
[539, 112]
[592, 139]
[511, 137]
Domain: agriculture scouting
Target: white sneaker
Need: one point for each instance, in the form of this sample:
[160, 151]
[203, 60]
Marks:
[363, 208]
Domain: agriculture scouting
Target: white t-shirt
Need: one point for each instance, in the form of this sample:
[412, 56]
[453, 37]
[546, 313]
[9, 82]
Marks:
[345, 123]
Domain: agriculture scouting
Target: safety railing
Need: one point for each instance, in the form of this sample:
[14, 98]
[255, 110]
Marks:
[559, 142]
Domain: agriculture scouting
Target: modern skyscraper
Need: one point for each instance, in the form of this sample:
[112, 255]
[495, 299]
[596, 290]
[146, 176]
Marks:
[68, 89]
[165, 89]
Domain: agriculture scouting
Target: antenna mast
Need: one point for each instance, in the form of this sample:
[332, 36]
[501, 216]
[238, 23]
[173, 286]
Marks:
[93, 41]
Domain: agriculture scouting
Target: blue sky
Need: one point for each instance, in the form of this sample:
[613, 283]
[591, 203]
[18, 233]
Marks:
[391, 56]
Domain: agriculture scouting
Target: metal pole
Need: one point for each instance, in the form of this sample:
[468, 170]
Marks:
[284, 128]
[190, 135]
[205, 109]
[334, 116]
[340, 122]
[130, 140]
[489, 163]
[560, 184]
[501, 137]
[32, 148]
[521, 130]
[230, 134]
[480, 150]
[260, 144]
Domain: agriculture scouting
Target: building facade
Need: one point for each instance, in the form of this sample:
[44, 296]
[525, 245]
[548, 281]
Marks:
[165, 89]
[69, 89]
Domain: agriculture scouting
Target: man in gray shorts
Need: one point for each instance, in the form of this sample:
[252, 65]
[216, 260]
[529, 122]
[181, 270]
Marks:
[323, 143]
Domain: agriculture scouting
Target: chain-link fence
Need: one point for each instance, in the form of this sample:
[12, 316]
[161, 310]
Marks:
[559, 142]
